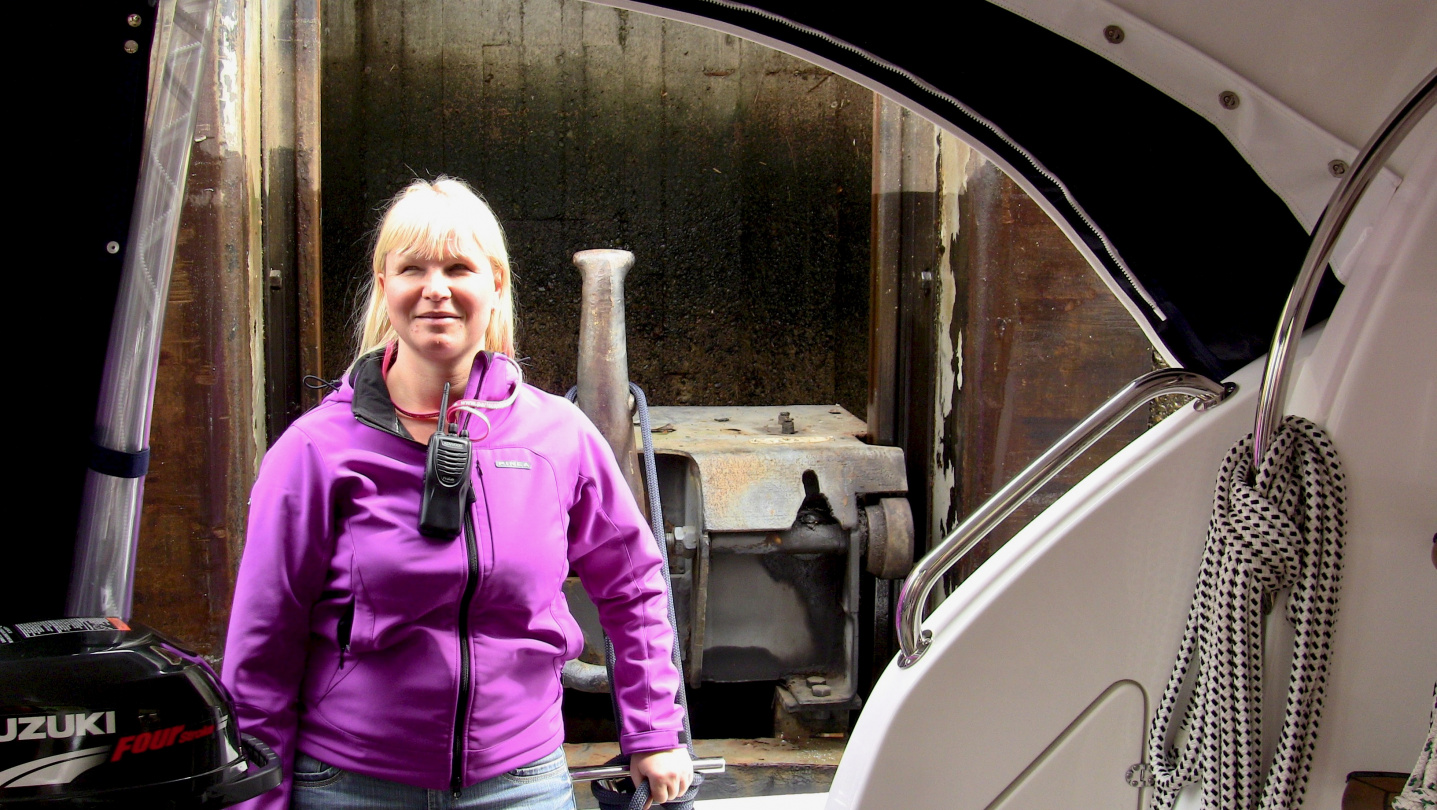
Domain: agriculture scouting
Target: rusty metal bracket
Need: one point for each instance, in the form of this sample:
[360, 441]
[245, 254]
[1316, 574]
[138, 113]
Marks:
[751, 472]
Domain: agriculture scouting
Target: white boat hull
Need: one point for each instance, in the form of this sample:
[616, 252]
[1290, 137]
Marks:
[1045, 664]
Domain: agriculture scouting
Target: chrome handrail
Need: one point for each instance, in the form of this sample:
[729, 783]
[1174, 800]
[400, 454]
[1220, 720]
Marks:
[912, 639]
[594, 773]
[1277, 375]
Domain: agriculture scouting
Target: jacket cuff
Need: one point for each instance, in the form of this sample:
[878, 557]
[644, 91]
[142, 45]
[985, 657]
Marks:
[644, 741]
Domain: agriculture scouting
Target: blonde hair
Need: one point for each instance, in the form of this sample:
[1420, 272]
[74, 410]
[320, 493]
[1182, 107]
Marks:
[431, 220]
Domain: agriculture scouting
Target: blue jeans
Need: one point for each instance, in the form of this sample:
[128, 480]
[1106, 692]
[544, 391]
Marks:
[540, 785]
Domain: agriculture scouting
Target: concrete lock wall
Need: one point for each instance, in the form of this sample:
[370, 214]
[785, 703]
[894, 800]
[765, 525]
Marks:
[737, 175]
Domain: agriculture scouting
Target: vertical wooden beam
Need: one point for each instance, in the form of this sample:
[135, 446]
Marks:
[883, 279]
[206, 437]
[918, 259]
[277, 218]
[956, 160]
[886, 207]
[904, 255]
[344, 121]
[289, 126]
[308, 234]
[1046, 342]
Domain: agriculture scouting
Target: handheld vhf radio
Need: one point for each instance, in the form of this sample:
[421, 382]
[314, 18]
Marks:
[446, 479]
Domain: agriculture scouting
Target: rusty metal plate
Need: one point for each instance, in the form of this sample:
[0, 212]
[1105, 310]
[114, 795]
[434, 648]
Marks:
[751, 472]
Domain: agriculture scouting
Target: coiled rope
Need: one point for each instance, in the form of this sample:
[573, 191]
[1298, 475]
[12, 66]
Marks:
[1279, 526]
[1420, 792]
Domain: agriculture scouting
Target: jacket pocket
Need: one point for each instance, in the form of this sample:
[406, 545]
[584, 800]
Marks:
[311, 773]
[344, 662]
[553, 766]
[569, 626]
[344, 631]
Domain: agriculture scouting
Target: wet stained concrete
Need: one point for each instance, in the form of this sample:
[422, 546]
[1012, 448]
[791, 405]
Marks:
[737, 175]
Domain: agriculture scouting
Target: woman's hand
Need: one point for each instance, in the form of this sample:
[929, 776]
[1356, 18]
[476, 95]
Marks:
[668, 773]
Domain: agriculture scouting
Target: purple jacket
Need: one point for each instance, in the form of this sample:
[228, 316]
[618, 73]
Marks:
[345, 638]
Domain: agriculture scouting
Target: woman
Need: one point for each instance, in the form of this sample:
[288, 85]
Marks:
[384, 664]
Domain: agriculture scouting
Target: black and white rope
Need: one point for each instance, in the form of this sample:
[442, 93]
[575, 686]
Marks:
[1277, 527]
[1420, 792]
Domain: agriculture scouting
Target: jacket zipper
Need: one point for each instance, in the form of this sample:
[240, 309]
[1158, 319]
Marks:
[364, 420]
[471, 584]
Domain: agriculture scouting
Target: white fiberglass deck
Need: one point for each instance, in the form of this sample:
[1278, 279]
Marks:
[792, 801]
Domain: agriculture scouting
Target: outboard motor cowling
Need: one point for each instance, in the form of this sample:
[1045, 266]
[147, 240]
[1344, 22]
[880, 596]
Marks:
[99, 713]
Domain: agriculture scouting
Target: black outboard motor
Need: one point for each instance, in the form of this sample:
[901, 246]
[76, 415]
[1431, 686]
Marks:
[99, 713]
